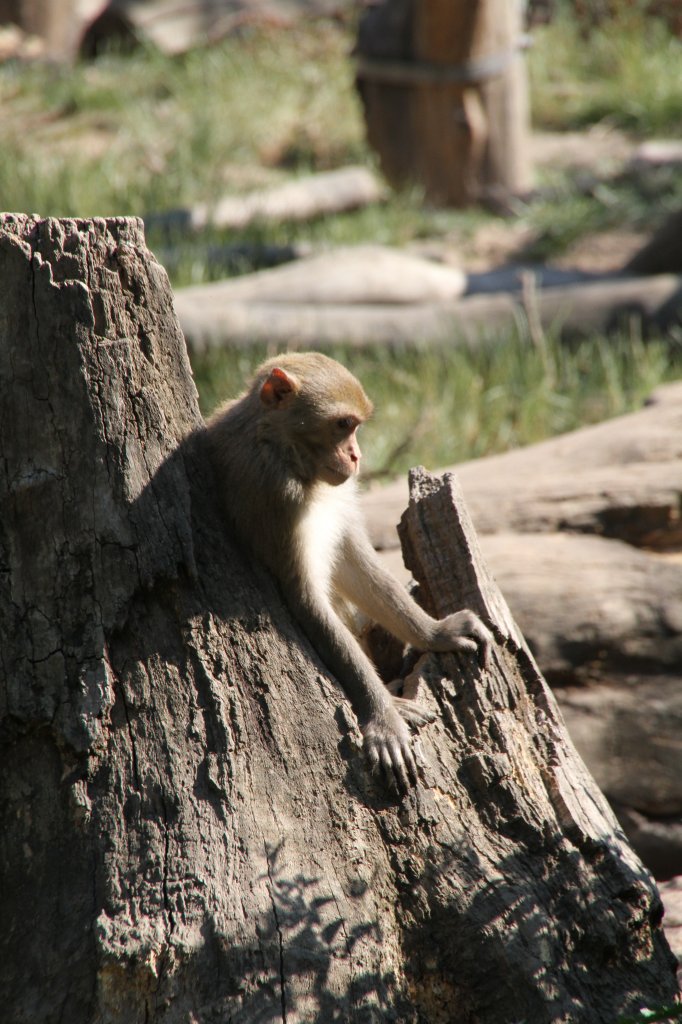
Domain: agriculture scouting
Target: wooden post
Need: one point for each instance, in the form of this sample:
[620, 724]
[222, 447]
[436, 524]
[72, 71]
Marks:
[444, 89]
[53, 21]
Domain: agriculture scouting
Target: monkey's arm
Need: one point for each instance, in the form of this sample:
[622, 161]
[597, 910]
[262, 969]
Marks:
[362, 578]
[386, 736]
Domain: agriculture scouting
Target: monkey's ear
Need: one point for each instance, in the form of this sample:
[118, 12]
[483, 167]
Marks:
[277, 389]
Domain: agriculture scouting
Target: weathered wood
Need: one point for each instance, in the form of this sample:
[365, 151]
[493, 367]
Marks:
[590, 609]
[54, 22]
[207, 323]
[598, 613]
[358, 275]
[604, 622]
[515, 709]
[301, 199]
[581, 310]
[187, 829]
[621, 478]
[444, 90]
[636, 752]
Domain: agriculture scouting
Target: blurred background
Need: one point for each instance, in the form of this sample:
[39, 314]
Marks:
[150, 107]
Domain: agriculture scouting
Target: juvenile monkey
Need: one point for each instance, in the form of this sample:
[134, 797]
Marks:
[286, 457]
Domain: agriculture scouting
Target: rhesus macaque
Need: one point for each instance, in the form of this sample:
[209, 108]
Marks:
[286, 457]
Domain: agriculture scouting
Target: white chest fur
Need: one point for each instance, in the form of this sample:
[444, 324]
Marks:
[321, 530]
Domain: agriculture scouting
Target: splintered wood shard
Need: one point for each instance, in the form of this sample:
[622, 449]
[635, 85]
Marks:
[441, 550]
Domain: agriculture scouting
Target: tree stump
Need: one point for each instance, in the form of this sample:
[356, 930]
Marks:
[188, 832]
[444, 90]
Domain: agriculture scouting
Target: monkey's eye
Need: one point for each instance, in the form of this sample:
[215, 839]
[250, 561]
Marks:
[346, 423]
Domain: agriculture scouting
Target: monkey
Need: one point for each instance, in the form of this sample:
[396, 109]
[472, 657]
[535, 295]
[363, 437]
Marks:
[286, 458]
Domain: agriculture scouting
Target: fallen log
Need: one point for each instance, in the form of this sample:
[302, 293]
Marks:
[317, 195]
[209, 318]
[178, 26]
[621, 478]
[357, 275]
[631, 737]
[591, 608]
[628, 730]
[671, 893]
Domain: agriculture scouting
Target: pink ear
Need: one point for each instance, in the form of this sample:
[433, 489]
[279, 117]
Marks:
[277, 388]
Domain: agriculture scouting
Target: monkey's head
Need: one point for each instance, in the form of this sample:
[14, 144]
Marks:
[311, 407]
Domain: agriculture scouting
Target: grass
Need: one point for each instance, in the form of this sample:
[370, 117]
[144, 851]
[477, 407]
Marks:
[445, 405]
[627, 73]
[130, 134]
[145, 132]
[573, 208]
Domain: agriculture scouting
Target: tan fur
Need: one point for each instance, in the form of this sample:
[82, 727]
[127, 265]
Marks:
[286, 458]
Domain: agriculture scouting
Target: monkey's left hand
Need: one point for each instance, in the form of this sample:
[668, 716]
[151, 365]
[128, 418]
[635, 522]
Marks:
[388, 747]
[463, 631]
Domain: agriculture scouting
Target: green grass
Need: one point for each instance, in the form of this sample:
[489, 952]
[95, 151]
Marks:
[571, 208]
[627, 72]
[446, 405]
[130, 134]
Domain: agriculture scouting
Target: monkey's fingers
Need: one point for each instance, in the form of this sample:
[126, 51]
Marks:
[484, 639]
[395, 760]
[372, 752]
[466, 645]
[410, 765]
[399, 766]
[468, 633]
[479, 642]
[394, 769]
[414, 714]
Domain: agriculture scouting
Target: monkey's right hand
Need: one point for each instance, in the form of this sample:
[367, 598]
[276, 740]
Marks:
[387, 746]
[463, 631]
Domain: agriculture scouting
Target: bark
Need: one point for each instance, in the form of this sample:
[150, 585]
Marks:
[188, 832]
